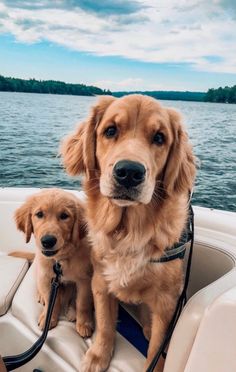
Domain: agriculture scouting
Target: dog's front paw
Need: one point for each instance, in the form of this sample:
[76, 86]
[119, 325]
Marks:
[147, 332]
[84, 323]
[84, 329]
[40, 299]
[94, 361]
[42, 319]
[71, 314]
[159, 367]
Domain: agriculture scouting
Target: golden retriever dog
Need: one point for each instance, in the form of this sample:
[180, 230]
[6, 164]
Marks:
[139, 169]
[56, 218]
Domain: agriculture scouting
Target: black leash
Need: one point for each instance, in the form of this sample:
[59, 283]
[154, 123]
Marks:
[15, 361]
[181, 301]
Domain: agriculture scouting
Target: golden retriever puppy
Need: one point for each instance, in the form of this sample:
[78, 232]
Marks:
[139, 169]
[56, 218]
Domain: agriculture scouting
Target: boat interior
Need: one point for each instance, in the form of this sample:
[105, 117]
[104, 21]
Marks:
[205, 330]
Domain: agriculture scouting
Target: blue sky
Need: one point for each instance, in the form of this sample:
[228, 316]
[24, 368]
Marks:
[119, 44]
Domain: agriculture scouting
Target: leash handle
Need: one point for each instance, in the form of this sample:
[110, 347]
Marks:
[15, 361]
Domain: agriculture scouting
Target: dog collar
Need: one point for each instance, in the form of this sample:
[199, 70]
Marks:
[171, 254]
[178, 250]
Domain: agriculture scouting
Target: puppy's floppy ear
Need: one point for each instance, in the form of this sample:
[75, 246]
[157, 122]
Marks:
[80, 226]
[180, 168]
[78, 150]
[23, 219]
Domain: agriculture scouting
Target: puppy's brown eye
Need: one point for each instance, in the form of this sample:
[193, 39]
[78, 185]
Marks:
[39, 214]
[63, 216]
[159, 138]
[110, 131]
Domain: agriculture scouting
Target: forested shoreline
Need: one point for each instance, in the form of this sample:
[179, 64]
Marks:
[168, 95]
[10, 84]
[221, 95]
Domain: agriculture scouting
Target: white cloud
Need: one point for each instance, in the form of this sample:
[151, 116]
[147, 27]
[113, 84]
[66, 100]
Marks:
[200, 33]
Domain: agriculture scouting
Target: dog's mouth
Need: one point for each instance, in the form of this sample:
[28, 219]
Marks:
[123, 197]
[49, 253]
[123, 200]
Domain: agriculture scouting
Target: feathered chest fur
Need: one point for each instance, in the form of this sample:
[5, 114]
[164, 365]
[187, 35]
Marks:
[120, 272]
[124, 243]
[123, 261]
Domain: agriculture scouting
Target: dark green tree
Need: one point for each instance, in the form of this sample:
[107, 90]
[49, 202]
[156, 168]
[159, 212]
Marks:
[49, 86]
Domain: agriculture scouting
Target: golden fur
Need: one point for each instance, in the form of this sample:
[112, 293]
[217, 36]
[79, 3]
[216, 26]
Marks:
[71, 250]
[128, 228]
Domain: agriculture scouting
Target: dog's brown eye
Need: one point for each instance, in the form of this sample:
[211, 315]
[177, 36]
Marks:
[64, 216]
[159, 138]
[110, 131]
[39, 214]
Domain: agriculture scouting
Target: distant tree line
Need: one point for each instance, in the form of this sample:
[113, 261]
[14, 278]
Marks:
[168, 95]
[224, 95]
[9, 84]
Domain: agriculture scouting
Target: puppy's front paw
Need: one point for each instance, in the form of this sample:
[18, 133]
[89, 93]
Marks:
[84, 323]
[95, 361]
[84, 329]
[42, 319]
[71, 314]
[40, 299]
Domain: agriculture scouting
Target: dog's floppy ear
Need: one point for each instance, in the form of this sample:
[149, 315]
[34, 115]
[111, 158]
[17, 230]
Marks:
[80, 226]
[181, 165]
[78, 150]
[23, 219]
[72, 151]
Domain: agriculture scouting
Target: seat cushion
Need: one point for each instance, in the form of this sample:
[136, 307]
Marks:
[63, 339]
[12, 271]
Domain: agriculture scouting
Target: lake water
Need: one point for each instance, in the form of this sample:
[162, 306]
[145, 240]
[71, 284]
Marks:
[32, 125]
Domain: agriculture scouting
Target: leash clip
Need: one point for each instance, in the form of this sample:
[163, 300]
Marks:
[57, 270]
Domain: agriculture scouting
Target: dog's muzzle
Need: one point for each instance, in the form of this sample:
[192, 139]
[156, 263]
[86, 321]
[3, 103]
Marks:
[48, 243]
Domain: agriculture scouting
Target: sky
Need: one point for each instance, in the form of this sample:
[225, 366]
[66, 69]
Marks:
[119, 44]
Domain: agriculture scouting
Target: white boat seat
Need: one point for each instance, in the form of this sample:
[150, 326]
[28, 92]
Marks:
[213, 272]
[63, 339]
[12, 271]
[204, 338]
[211, 295]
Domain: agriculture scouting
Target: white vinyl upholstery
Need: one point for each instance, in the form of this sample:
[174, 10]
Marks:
[213, 275]
[12, 271]
[63, 339]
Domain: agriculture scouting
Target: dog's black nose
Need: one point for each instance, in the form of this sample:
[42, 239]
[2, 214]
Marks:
[129, 173]
[48, 241]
